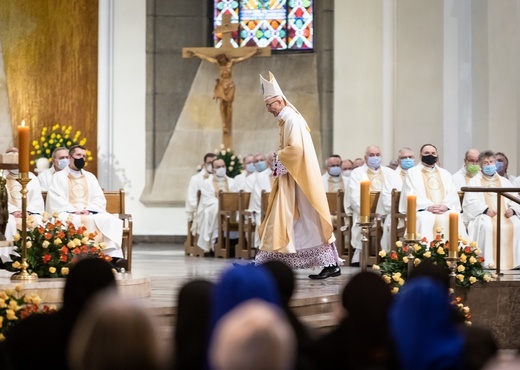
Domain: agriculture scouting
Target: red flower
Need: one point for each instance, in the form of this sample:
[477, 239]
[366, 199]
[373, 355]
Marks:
[59, 223]
[82, 229]
[61, 235]
[50, 226]
[76, 250]
[64, 258]
[394, 256]
[467, 249]
[424, 240]
[47, 236]
[64, 250]
[84, 249]
[405, 248]
[93, 250]
[41, 229]
[46, 258]
[480, 259]
[91, 236]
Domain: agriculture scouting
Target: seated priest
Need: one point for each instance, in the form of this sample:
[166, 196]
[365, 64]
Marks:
[75, 194]
[35, 206]
[481, 210]
[60, 160]
[436, 194]
[207, 218]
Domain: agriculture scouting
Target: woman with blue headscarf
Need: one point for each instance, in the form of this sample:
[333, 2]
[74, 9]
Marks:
[423, 327]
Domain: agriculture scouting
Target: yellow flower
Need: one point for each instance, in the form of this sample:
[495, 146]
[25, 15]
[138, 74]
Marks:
[464, 241]
[64, 271]
[477, 252]
[466, 309]
[405, 259]
[427, 254]
[51, 141]
[401, 282]
[1, 323]
[396, 276]
[387, 279]
[10, 315]
[460, 277]
[45, 244]
[382, 253]
[487, 278]
[2, 303]
[395, 290]
[16, 264]
[417, 247]
[28, 244]
[416, 262]
[472, 260]
[18, 288]
[57, 241]
[398, 244]
[16, 237]
[55, 214]
[473, 244]
[102, 245]
[223, 152]
[52, 269]
[440, 250]
[491, 265]
[45, 217]
[461, 268]
[77, 241]
[438, 230]
[472, 279]
[84, 240]
[70, 245]
[463, 258]
[375, 267]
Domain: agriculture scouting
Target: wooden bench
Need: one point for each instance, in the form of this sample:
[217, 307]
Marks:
[341, 223]
[230, 204]
[396, 231]
[190, 245]
[375, 232]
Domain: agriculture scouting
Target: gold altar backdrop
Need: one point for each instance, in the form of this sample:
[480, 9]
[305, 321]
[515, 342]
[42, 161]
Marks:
[51, 64]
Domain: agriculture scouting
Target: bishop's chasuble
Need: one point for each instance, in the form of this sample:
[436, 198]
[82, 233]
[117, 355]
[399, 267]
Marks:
[297, 228]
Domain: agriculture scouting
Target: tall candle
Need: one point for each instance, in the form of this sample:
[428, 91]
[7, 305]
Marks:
[365, 200]
[411, 215]
[454, 232]
[23, 147]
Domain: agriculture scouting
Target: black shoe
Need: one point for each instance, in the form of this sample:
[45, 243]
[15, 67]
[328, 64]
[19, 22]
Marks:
[119, 263]
[327, 272]
[354, 264]
[209, 254]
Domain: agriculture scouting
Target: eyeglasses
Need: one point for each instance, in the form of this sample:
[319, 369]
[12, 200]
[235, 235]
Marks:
[270, 104]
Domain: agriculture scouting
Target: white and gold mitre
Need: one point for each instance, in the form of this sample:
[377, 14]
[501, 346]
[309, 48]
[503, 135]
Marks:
[270, 88]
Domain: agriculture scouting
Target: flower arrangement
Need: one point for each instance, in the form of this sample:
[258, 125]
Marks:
[462, 310]
[54, 246]
[15, 306]
[57, 136]
[394, 265]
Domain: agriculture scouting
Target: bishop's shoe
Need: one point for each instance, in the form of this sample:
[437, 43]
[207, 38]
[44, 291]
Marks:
[327, 272]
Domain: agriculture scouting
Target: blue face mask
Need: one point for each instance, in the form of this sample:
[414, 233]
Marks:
[490, 170]
[407, 163]
[250, 168]
[260, 166]
[500, 166]
[335, 171]
[374, 162]
[62, 163]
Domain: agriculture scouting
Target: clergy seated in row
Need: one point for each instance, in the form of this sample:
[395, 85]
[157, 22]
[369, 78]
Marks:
[376, 174]
[207, 214]
[332, 179]
[60, 160]
[75, 194]
[502, 166]
[481, 209]
[346, 168]
[264, 182]
[194, 186]
[247, 178]
[35, 206]
[436, 195]
[469, 169]
[394, 180]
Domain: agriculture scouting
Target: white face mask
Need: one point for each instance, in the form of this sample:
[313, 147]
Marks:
[14, 172]
[62, 163]
[220, 172]
[209, 168]
[346, 173]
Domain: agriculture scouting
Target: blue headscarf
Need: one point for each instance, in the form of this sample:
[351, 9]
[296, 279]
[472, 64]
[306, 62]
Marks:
[423, 327]
[238, 285]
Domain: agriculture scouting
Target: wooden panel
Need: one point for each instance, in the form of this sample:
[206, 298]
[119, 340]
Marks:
[51, 63]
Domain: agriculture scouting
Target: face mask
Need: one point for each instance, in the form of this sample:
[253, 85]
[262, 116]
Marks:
[79, 163]
[407, 163]
[209, 168]
[347, 173]
[62, 163]
[374, 162]
[14, 172]
[220, 172]
[429, 160]
[500, 166]
[335, 171]
[473, 168]
[260, 166]
[250, 168]
[490, 170]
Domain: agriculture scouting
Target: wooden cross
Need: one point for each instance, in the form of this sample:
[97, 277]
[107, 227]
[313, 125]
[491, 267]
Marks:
[224, 58]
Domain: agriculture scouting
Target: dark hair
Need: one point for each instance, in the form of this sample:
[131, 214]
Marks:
[56, 150]
[503, 155]
[486, 154]
[209, 155]
[422, 147]
[74, 147]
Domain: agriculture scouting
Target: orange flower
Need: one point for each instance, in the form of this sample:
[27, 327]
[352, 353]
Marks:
[91, 236]
[82, 229]
[59, 223]
[46, 258]
[47, 236]
[93, 250]
[480, 259]
[50, 226]
[84, 248]
[76, 250]
[437, 237]
[41, 230]
[467, 250]
[61, 235]
[108, 258]
[64, 258]
[424, 240]
[64, 250]
[393, 256]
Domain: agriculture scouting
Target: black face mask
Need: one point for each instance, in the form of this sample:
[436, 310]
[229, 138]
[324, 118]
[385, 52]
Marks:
[430, 160]
[79, 163]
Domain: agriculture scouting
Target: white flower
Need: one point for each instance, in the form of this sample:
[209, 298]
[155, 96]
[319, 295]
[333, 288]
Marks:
[427, 254]
[222, 146]
[487, 278]
[491, 265]
[440, 250]
[405, 259]
[382, 253]
[417, 247]
[398, 244]
[375, 267]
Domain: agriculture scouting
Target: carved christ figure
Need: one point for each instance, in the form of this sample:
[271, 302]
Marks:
[225, 87]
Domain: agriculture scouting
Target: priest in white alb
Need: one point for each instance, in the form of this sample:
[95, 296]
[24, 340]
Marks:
[481, 210]
[75, 194]
[436, 195]
[297, 228]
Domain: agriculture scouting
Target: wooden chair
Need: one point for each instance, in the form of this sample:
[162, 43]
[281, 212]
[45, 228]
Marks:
[375, 232]
[396, 232]
[190, 245]
[228, 208]
[341, 222]
[116, 205]
[244, 248]
[264, 202]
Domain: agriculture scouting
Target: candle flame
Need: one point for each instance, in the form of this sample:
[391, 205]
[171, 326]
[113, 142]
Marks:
[23, 122]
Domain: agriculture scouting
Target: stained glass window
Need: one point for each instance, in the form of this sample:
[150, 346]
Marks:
[280, 24]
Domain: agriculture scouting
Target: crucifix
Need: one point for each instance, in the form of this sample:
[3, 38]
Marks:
[225, 57]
